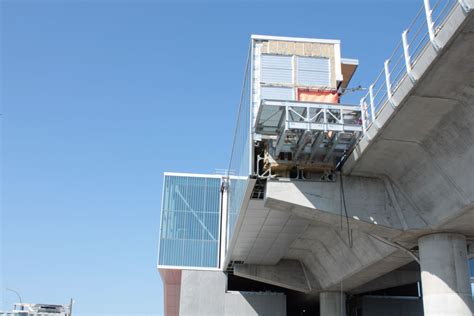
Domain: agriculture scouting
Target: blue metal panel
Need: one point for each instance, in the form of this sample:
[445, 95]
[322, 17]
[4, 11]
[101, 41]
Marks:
[276, 93]
[313, 71]
[277, 69]
[189, 234]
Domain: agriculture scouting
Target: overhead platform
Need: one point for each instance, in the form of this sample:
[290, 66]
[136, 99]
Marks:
[276, 114]
[310, 133]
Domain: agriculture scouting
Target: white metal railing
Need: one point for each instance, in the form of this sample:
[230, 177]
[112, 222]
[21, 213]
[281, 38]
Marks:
[299, 125]
[321, 117]
[421, 32]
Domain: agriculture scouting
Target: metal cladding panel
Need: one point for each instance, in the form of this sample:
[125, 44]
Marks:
[313, 71]
[190, 223]
[277, 93]
[277, 69]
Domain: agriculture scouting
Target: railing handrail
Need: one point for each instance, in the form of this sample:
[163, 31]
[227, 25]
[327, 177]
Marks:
[389, 79]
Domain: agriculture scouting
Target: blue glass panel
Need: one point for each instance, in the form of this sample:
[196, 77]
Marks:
[190, 217]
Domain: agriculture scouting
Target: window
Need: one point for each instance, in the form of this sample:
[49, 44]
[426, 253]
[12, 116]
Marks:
[313, 71]
[276, 93]
[277, 69]
[189, 233]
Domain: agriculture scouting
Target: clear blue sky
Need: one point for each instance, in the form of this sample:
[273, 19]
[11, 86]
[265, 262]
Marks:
[99, 98]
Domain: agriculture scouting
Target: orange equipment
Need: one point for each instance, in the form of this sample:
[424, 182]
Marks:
[312, 95]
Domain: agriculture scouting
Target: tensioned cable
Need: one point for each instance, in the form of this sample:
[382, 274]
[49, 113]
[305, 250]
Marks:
[344, 207]
[247, 66]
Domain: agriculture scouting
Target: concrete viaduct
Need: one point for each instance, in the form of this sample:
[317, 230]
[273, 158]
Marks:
[407, 188]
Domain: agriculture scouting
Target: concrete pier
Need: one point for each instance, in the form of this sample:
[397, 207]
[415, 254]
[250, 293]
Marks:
[332, 304]
[445, 275]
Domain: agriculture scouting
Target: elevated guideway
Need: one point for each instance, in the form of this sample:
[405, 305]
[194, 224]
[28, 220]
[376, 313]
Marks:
[410, 175]
[422, 134]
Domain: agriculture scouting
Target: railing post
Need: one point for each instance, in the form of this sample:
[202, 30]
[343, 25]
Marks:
[362, 114]
[372, 106]
[308, 118]
[430, 24]
[325, 118]
[387, 82]
[406, 52]
[465, 7]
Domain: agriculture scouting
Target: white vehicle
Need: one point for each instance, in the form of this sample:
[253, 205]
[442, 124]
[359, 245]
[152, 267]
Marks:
[24, 309]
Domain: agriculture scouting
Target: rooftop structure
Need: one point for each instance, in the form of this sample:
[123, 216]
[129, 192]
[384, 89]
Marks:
[325, 199]
[298, 122]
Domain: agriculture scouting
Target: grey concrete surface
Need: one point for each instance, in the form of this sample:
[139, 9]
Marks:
[327, 254]
[332, 304]
[445, 275]
[374, 207]
[266, 234]
[203, 293]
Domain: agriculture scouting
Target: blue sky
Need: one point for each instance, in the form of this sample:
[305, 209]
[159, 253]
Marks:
[99, 98]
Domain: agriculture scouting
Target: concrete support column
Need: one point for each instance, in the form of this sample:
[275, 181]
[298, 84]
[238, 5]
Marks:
[332, 304]
[445, 275]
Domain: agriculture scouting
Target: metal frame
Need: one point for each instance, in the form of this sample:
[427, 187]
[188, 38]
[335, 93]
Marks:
[187, 268]
[195, 175]
[305, 123]
[332, 115]
[294, 39]
[251, 85]
[218, 239]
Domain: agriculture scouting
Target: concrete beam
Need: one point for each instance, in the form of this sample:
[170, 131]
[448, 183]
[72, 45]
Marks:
[289, 274]
[373, 205]
[327, 254]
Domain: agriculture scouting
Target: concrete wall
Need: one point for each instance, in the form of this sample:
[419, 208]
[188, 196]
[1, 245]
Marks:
[203, 293]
